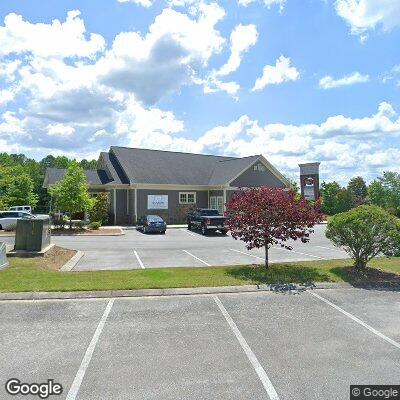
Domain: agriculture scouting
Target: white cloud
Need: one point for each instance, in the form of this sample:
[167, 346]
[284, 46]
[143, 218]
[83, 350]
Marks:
[6, 95]
[60, 130]
[170, 56]
[365, 15]
[243, 37]
[393, 75]
[276, 74]
[346, 146]
[144, 3]
[327, 82]
[8, 69]
[58, 39]
[267, 3]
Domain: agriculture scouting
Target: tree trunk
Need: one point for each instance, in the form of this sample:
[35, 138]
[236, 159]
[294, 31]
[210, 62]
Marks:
[360, 264]
[266, 256]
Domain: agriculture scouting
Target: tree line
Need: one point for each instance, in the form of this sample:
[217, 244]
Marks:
[383, 192]
[21, 179]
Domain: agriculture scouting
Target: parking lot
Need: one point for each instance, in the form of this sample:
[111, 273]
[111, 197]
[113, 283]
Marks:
[262, 345]
[183, 248]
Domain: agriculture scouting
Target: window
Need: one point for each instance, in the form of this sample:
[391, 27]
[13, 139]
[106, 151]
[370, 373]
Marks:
[187, 197]
[259, 167]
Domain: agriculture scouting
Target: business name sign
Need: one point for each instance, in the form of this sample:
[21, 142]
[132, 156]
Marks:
[157, 202]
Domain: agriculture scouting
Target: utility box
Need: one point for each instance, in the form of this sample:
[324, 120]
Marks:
[3, 256]
[32, 234]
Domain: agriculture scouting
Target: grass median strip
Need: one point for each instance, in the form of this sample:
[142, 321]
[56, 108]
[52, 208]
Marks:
[31, 275]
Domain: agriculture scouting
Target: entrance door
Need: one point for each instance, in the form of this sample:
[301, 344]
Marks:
[217, 203]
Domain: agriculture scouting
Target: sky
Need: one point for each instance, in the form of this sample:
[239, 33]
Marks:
[296, 81]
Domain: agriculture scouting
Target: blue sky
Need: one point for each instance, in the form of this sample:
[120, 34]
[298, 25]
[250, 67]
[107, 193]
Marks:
[296, 81]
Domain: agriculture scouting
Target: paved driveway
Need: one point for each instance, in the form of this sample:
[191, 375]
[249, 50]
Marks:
[183, 248]
[310, 345]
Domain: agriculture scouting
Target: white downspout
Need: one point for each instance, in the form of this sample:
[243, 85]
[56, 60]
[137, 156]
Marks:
[115, 206]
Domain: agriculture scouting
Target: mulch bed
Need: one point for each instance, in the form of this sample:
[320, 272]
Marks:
[55, 258]
[83, 232]
[370, 276]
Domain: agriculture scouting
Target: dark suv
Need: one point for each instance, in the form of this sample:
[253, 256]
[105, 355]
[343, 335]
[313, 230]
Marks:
[207, 220]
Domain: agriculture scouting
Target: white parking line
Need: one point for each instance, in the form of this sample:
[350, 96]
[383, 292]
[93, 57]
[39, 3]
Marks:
[197, 258]
[247, 254]
[188, 232]
[298, 252]
[139, 260]
[76, 384]
[326, 248]
[269, 388]
[355, 319]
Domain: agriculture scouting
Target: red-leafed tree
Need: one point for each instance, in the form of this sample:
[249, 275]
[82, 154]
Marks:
[266, 216]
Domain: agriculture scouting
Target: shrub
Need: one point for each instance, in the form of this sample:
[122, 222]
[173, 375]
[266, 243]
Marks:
[365, 232]
[94, 225]
[99, 210]
[80, 224]
[59, 223]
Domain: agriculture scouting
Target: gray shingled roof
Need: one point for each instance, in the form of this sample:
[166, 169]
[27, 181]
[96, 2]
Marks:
[113, 168]
[166, 167]
[226, 170]
[94, 177]
[123, 165]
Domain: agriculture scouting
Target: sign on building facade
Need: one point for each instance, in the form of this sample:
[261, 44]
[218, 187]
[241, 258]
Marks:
[157, 202]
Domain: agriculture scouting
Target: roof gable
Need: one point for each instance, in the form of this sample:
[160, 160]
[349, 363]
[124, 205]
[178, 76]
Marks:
[226, 170]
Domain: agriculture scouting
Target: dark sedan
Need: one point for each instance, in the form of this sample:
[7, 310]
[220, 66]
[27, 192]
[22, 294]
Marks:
[151, 223]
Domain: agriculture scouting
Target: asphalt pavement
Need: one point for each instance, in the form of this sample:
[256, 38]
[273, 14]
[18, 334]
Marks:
[183, 248]
[307, 345]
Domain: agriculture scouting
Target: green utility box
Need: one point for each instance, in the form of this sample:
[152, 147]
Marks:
[32, 234]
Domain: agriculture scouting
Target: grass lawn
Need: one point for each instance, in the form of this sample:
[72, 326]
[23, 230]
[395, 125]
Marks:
[31, 275]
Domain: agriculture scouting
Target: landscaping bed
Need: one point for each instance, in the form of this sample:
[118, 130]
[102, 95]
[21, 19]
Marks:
[42, 275]
[88, 232]
[55, 258]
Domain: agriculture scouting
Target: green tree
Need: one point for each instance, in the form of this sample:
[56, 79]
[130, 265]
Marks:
[358, 190]
[99, 211]
[16, 187]
[385, 192]
[377, 194]
[364, 232]
[71, 193]
[334, 198]
[20, 191]
[88, 164]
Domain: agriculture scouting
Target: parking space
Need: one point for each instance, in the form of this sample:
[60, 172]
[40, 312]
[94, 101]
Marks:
[260, 345]
[183, 248]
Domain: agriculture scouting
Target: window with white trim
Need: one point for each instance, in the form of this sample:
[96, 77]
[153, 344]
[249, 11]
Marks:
[187, 197]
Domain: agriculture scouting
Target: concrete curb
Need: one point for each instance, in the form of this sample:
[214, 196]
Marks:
[182, 291]
[70, 265]
[25, 253]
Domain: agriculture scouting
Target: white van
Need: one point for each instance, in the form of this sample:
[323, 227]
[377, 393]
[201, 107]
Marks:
[27, 209]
